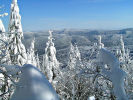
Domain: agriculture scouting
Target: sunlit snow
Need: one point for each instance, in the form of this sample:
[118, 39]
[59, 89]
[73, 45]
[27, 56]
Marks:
[33, 86]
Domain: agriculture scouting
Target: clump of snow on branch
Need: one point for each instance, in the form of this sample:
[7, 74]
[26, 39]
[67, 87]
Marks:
[2, 28]
[115, 74]
[91, 98]
[3, 35]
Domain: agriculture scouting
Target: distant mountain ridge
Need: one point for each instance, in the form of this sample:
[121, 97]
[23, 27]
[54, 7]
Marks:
[83, 38]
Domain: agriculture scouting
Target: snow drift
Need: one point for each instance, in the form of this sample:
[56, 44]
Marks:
[33, 86]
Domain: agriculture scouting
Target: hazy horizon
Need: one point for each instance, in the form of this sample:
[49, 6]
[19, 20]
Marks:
[72, 14]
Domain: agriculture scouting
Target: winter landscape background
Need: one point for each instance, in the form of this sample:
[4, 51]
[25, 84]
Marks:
[67, 63]
[84, 38]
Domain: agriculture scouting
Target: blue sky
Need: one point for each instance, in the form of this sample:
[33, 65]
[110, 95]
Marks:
[77, 14]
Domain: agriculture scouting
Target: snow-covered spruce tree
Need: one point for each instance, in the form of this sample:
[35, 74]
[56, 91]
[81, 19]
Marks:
[50, 62]
[80, 81]
[31, 57]
[38, 62]
[5, 89]
[100, 44]
[72, 85]
[126, 64]
[74, 57]
[78, 55]
[4, 59]
[122, 46]
[16, 48]
[123, 55]
[121, 52]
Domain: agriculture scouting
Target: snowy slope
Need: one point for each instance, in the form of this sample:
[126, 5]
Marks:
[33, 86]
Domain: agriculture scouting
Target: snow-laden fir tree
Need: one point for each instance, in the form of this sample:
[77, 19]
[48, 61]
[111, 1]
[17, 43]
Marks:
[72, 86]
[74, 65]
[31, 57]
[122, 53]
[122, 46]
[126, 63]
[16, 48]
[100, 44]
[77, 53]
[74, 57]
[50, 62]
[15, 20]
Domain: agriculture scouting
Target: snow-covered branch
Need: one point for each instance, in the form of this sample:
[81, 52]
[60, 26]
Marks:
[115, 74]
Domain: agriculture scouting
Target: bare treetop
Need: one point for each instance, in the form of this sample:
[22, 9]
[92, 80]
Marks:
[50, 33]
